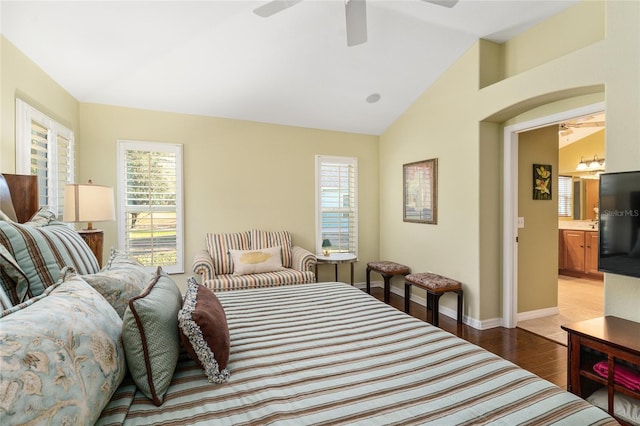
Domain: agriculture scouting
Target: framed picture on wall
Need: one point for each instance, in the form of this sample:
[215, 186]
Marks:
[542, 182]
[420, 181]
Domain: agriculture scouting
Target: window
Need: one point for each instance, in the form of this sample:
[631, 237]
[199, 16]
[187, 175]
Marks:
[565, 184]
[150, 203]
[337, 203]
[44, 148]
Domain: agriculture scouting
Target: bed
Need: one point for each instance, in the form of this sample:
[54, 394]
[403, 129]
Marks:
[328, 353]
[319, 353]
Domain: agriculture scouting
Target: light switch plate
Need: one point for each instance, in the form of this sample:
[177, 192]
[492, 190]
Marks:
[520, 222]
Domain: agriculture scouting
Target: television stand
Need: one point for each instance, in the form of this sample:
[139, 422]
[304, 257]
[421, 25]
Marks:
[611, 339]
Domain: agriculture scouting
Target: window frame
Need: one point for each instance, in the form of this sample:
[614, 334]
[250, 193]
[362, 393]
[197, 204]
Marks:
[50, 194]
[350, 161]
[164, 147]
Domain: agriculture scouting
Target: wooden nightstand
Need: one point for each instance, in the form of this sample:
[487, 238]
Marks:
[94, 239]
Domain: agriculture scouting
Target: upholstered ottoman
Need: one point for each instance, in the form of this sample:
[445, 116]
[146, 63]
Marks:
[388, 270]
[435, 285]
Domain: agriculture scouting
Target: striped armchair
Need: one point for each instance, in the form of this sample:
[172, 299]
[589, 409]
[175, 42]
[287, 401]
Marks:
[222, 265]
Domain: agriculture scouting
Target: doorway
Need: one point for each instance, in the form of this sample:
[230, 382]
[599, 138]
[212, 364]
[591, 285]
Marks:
[561, 228]
[578, 299]
[510, 206]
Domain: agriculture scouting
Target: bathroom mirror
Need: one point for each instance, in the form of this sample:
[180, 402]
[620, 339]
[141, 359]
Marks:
[585, 198]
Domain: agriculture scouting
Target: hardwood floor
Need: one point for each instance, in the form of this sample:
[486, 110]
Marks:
[543, 357]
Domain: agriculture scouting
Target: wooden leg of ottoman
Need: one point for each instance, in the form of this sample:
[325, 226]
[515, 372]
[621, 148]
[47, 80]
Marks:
[435, 307]
[387, 287]
[368, 280]
[407, 297]
[459, 293]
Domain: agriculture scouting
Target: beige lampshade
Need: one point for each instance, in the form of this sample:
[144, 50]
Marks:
[88, 203]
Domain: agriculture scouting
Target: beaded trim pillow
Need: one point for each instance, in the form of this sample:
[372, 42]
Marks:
[204, 331]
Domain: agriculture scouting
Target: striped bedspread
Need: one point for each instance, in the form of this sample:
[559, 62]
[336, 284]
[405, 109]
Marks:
[328, 354]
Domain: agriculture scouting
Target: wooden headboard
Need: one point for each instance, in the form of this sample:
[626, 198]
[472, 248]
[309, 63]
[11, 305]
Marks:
[19, 196]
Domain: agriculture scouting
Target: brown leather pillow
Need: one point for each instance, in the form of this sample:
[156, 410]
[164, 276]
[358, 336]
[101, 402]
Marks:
[204, 331]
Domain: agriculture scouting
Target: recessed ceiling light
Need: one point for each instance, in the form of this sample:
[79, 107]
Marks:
[373, 98]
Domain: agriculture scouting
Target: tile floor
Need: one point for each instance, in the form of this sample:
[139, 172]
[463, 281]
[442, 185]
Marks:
[578, 299]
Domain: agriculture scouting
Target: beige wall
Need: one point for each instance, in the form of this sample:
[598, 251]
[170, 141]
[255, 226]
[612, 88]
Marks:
[450, 121]
[538, 240]
[622, 294]
[238, 175]
[555, 37]
[21, 78]
[585, 148]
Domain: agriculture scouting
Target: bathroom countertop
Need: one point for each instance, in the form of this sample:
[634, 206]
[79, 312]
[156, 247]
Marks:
[578, 225]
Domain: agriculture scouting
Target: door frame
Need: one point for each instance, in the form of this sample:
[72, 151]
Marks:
[510, 203]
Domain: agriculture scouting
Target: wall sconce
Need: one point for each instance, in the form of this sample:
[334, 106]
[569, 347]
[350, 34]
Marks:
[89, 203]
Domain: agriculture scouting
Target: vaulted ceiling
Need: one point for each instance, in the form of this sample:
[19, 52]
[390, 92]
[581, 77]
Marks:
[219, 58]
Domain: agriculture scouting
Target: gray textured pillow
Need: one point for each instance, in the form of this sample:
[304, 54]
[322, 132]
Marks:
[119, 281]
[150, 336]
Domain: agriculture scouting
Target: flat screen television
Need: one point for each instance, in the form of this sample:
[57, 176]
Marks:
[619, 223]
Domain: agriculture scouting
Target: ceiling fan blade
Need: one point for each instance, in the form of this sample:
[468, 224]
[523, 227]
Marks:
[356, 13]
[587, 124]
[445, 3]
[274, 7]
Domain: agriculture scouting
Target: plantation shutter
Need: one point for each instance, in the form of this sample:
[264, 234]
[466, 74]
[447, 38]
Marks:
[44, 148]
[337, 203]
[565, 184]
[39, 163]
[151, 204]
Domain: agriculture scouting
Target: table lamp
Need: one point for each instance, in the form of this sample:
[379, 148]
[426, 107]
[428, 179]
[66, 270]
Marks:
[89, 203]
[325, 246]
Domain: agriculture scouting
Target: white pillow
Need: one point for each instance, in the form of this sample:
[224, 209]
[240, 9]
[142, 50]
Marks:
[256, 261]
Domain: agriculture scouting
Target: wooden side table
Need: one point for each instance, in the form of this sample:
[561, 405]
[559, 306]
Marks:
[336, 259]
[94, 239]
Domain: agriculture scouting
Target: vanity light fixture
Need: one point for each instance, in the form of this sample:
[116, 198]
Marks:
[595, 164]
[582, 165]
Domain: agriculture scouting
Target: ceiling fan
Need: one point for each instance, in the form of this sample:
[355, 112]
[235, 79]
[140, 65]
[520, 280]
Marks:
[566, 127]
[355, 10]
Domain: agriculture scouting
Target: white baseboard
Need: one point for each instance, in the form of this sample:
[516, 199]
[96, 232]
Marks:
[539, 313]
[451, 313]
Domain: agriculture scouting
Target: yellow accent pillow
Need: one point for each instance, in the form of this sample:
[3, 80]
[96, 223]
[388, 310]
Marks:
[256, 261]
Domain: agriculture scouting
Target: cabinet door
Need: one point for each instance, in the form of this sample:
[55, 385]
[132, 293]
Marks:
[591, 252]
[562, 255]
[574, 244]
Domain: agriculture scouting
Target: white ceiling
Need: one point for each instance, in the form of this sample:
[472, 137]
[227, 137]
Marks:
[218, 58]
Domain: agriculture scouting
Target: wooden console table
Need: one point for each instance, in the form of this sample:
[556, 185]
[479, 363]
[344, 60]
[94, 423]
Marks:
[611, 339]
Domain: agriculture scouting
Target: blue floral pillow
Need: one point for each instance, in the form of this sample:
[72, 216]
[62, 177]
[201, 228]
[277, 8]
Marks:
[61, 357]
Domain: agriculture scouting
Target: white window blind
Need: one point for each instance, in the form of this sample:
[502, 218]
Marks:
[565, 185]
[44, 148]
[336, 203]
[150, 207]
